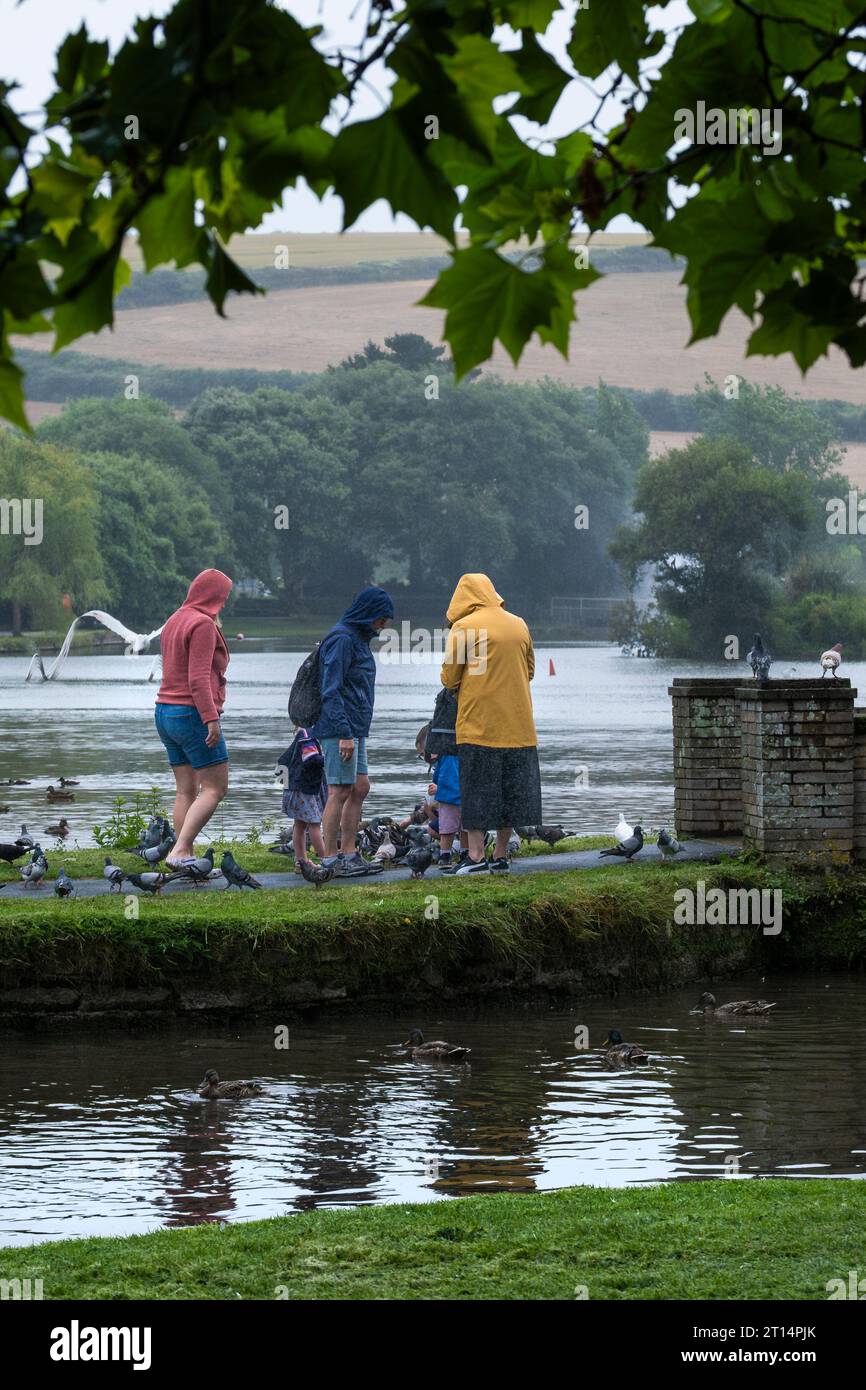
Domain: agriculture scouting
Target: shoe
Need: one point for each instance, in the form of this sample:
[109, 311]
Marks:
[445, 860]
[455, 864]
[470, 867]
[353, 866]
[500, 866]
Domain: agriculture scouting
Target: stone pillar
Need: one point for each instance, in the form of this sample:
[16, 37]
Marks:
[798, 770]
[860, 786]
[707, 772]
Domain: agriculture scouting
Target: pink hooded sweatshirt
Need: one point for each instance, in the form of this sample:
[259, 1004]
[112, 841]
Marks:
[194, 653]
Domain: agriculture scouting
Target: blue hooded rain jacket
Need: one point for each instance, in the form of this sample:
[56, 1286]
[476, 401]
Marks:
[348, 668]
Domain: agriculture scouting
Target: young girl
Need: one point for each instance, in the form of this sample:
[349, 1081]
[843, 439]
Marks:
[305, 793]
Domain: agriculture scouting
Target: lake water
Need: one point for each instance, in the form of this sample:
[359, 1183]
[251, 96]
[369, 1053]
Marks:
[112, 1140]
[604, 725]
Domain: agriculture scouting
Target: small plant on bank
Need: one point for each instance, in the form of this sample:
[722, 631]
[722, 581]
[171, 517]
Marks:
[129, 817]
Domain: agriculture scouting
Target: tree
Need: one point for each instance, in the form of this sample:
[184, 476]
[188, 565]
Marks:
[51, 549]
[741, 152]
[144, 429]
[719, 530]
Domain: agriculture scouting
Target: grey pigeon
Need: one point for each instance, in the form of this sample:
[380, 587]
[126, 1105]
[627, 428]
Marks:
[25, 838]
[63, 885]
[153, 834]
[513, 844]
[149, 882]
[418, 835]
[114, 874]
[154, 853]
[316, 873]
[199, 870]
[34, 872]
[237, 876]
[419, 860]
[628, 849]
[668, 845]
[759, 660]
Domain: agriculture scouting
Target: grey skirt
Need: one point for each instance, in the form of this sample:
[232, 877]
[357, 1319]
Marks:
[499, 786]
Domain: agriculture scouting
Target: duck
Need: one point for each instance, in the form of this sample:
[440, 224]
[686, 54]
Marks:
[623, 1054]
[434, 1051]
[737, 1008]
[69, 782]
[214, 1089]
[59, 831]
[4, 810]
[53, 794]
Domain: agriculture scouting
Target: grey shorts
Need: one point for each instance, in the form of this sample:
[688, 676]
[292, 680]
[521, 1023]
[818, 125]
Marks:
[340, 773]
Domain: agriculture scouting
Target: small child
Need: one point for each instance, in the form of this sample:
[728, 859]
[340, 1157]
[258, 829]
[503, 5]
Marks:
[445, 786]
[305, 793]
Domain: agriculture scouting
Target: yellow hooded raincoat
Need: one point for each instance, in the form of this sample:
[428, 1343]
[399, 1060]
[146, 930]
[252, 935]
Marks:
[489, 662]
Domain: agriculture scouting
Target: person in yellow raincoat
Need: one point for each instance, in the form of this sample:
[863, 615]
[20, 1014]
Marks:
[489, 663]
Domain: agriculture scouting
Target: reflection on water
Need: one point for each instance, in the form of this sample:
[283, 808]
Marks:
[103, 1140]
[604, 724]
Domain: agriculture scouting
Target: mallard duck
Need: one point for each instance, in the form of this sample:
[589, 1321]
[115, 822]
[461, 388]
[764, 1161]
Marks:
[59, 831]
[742, 1007]
[69, 782]
[623, 1054]
[434, 1051]
[4, 810]
[53, 794]
[214, 1089]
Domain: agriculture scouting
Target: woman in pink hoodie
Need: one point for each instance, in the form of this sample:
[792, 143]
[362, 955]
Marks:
[189, 705]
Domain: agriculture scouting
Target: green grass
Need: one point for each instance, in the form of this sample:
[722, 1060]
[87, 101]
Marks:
[731, 1239]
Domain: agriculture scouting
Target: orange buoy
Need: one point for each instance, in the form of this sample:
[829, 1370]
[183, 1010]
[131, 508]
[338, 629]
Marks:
[551, 669]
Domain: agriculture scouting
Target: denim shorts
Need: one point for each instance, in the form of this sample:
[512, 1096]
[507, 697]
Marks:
[338, 772]
[183, 732]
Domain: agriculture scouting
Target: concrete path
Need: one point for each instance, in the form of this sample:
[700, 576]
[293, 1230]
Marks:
[706, 851]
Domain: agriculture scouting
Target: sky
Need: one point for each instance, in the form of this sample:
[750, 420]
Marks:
[31, 31]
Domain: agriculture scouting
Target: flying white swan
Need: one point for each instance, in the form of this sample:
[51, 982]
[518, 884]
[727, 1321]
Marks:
[135, 644]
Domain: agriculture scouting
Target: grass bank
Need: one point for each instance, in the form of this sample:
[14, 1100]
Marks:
[699, 1240]
[576, 934]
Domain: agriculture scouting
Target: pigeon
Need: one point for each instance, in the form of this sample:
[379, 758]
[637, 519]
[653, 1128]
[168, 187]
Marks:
[628, 849]
[149, 882]
[63, 886]
[830, 660]
[25, 838]
[153, 834]
[385, 852]
[114, 874]
[513, 845]
[316, 873]
[551, 834]
[668, 845]
[197, 869]
[418, 835]
[34, 872]
[622, 830]
[154, 853]
[237, 876]
[759, 660]
[9, 853]
[419, 860]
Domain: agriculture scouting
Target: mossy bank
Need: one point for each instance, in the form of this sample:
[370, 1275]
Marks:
[704, 1240]
[545, 937]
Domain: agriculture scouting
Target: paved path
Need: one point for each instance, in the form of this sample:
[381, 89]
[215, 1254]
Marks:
[706, 851]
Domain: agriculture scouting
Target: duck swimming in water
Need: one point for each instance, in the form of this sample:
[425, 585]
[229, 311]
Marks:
[434, 1051]
[622, 1054]
[756, 1008]
[214, 1089]
[53, 794]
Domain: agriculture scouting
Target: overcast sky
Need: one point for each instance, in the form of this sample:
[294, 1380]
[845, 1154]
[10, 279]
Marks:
[31, 32]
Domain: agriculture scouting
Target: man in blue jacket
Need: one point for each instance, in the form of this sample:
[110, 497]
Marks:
[348, 682]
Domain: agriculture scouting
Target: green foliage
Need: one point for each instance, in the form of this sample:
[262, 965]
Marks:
[64, 556]
[129, 817]
[190, 133]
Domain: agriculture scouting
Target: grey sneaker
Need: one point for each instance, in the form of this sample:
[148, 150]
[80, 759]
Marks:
[353, 866]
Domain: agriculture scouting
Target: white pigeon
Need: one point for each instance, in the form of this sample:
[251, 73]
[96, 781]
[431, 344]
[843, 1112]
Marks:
[830, 660]
[623, 831]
